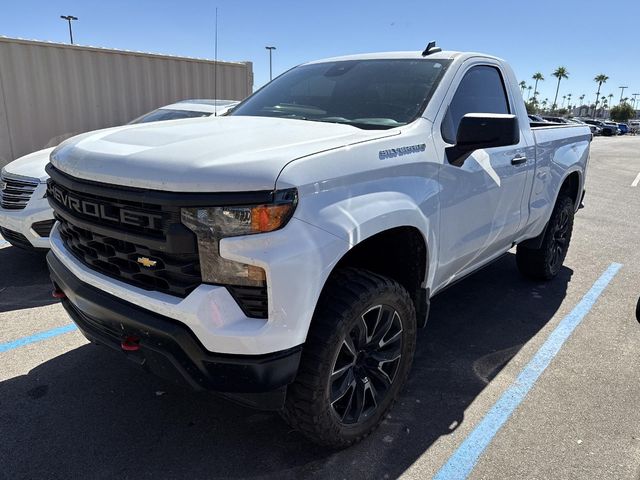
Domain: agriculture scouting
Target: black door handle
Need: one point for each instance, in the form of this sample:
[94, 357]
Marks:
[517, 160]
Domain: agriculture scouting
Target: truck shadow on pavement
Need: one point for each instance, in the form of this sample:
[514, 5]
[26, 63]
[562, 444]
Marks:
[89, 413]
[24, 280]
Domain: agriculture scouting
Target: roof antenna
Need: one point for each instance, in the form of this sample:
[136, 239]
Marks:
[431, 48]
[215, 69]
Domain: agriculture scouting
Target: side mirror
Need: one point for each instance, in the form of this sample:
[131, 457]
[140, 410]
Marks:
[483, 130]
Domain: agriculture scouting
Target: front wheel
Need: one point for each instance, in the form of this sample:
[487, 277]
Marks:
[356, 359]
[545, 262]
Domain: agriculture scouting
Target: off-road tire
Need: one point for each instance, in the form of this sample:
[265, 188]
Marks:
[350, 295]
[545, 262]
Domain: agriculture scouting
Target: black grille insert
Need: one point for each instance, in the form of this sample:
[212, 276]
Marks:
[15, 238]
[252, 300]
[175, 274]
[43, 229]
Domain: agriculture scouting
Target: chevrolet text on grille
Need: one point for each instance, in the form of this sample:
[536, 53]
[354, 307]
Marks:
[99, 210]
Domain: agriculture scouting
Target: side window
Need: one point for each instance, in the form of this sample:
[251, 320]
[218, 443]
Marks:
[480, 91]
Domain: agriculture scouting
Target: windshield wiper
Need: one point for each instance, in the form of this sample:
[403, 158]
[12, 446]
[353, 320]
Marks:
[355, 123]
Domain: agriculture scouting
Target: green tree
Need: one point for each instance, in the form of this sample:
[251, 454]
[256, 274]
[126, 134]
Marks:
[538, 77]
[622, 112]
[560, 73]
[599, 79]
[529, 88]
[531, 107]
[523, 85]
[610, 98]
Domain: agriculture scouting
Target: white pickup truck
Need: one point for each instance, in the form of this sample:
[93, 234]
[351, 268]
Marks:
[285, 255]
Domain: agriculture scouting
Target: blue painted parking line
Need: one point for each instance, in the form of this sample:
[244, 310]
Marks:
[464, 459]
[38, 337]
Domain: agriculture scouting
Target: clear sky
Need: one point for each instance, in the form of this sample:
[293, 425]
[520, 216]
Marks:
[587, 37]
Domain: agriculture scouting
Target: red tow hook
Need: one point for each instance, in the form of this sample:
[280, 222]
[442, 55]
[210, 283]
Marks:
[57, 293]
[130, 344]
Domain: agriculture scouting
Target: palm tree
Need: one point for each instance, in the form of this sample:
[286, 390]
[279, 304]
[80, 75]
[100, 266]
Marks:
[569, 101]
[523, 85]
[560, 73]
[610, 98]
[604, 104]
[529, 88]
[581, 99]
[564, 97]
[537, 77]
[599, 79]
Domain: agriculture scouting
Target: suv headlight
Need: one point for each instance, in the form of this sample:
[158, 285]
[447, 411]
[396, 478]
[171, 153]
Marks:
[211, 224]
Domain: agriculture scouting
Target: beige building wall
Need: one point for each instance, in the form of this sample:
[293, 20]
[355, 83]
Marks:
[50, 91]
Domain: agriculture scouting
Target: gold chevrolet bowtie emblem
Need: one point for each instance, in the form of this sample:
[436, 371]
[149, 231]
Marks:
[147, 262]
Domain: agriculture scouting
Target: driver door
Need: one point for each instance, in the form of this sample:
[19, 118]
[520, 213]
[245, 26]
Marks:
[480, 200]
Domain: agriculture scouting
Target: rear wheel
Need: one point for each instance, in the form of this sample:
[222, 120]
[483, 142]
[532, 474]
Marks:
[356, 359]
[545, 262]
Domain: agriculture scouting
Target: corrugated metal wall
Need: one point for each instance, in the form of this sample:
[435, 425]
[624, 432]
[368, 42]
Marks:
[49, 92]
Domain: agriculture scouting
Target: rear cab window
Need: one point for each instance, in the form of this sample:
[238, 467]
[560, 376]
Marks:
[481, 90]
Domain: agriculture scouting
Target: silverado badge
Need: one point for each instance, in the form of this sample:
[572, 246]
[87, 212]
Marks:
[147, 262]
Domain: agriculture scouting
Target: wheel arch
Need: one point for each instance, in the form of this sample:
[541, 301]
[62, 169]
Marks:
[400, 253]
[571, 185]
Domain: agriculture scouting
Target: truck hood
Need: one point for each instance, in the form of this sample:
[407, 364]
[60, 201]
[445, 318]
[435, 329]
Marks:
[31, 165]
[222, 154]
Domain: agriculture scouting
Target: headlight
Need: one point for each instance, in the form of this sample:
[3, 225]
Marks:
[211, 224]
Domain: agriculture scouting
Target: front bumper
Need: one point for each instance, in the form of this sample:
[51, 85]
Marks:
[21, 222]
[170, 349]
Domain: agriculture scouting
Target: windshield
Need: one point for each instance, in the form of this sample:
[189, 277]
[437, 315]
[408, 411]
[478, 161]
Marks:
[162, 114]
[372, 94]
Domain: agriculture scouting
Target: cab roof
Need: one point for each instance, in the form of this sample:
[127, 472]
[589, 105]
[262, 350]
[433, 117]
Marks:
[417, 55]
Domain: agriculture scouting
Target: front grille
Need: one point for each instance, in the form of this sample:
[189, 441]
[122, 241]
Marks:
[139, 217]
[176, 275]
[136, 236]
[17, 191]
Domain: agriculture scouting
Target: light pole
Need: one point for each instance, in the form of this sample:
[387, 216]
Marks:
[622, 92]
[69, 18]
[271, 49]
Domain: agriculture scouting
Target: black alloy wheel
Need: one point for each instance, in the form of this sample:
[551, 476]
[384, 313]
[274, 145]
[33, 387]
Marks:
[366, 364]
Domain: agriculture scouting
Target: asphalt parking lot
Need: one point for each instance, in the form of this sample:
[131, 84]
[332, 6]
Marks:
[69, 409]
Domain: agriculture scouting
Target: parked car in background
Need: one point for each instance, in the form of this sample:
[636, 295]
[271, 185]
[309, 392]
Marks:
[536, 118]
[555, 119]
[624, 128]
[25, 215]
[595, 130]
[607, 130]
[614, 127]
[634, 126]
